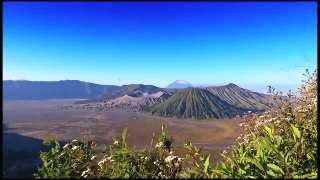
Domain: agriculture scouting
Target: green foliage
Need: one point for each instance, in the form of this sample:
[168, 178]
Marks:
[77, 159]
[281, 143]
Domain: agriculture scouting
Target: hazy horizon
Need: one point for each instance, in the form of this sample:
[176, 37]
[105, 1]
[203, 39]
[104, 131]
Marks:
[261, 88]
[251, 44]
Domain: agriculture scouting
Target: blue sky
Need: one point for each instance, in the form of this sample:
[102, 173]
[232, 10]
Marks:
[209, 43]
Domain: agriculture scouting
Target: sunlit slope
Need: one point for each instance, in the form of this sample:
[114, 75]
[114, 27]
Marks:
[240, 97]
[195, 103]
[133, 97]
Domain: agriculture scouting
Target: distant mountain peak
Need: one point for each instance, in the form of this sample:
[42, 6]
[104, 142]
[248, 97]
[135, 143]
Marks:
[232, 85]
[179, 84]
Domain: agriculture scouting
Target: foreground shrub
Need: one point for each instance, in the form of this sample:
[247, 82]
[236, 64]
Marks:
[77, 159]
[281, 143]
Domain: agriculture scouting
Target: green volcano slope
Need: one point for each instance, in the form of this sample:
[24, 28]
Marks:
[240, 97]
[195, 103]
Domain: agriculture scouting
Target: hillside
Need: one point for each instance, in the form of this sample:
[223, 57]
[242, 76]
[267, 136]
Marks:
[195, 103]
[133, 90]
[240, 97]
[130, 97]
[69, 89]
[172, 90]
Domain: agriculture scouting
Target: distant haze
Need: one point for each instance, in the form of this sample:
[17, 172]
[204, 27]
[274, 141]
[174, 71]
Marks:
[261, 88]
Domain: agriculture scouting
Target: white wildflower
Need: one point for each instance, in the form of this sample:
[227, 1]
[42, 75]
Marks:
[224, 152]
[62, 154]
[100, 163]
[93, 144]
[74, 165]
[159, 145]
[85, 173]
[170, 158]
[75, 148]
[177, 165]
[180, 159]
[74, 141]
[93, 158]
[66, 146]
[116, 143]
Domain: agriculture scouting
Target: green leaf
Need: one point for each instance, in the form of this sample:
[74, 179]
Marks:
[268, 130]
[241, 148]
[294, 173]
[206, 164]
[295, 147]
[243, 155]
[196, 149]
[241, 171]
[53, 150]
[246, 167]
[192, 171]
[270, 173]
[258, 154]
[287, 157]
[251, 177]
[275, 168]
[296, 131]
[217, 171]
[223, 166]
[265, 145]
[313, 175]
[46, 142]
[258, 164]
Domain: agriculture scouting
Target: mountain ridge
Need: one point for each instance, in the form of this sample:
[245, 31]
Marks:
[240, 97]
[195, 103]
[131, 90]
[229, 98]
[135, 96]
[64, 89]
